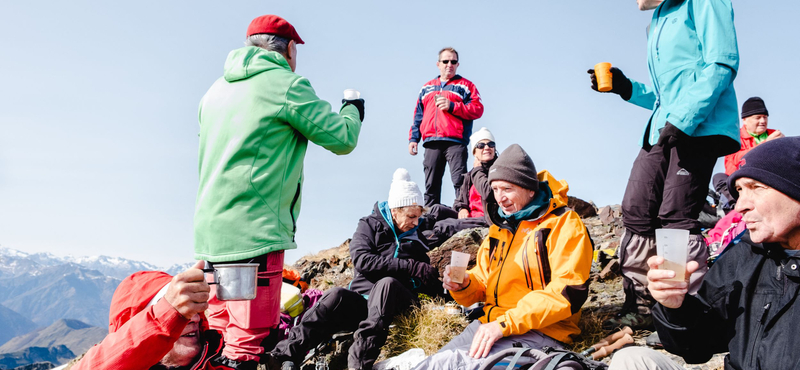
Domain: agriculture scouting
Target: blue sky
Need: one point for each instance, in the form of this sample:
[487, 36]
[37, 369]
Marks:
[98, 104]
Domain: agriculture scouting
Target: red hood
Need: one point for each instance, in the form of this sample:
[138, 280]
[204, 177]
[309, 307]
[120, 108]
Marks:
[133, 294]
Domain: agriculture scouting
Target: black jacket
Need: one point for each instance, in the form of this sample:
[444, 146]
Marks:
[373, 249]
[747, 304]
[478, 176]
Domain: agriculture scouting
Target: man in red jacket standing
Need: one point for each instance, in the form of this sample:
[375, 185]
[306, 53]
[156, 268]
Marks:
[156, 322]
[446, 107]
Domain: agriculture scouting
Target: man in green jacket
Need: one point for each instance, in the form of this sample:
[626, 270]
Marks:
[255, 124]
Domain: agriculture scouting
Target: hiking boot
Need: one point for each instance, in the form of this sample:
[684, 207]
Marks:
[637, 321]
[654, 341]
[273, 362]
[228, 363]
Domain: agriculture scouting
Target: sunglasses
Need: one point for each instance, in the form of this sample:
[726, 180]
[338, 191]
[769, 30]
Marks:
[483, 145]
[449, 61]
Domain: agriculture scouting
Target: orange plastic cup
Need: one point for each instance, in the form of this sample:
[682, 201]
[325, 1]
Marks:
[602, 72]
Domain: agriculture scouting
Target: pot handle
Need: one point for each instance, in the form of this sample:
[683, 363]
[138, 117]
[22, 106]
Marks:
[212, 271]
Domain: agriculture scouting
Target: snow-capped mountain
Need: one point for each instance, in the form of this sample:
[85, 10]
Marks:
[14, 263]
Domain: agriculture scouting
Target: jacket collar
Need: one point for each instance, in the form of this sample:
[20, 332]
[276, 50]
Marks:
[456, 77]
[493, 210]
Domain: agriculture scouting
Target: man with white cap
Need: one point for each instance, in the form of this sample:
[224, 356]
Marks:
[156, 322]
[255, 125]
[391, 266]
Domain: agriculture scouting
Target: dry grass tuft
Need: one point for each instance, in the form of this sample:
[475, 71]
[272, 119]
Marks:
[427, 326]
[591, 325]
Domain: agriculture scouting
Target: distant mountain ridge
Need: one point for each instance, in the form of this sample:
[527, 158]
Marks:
[18, 262]
[13, 324]
[77, 336]
[44, 288]
[56, 355]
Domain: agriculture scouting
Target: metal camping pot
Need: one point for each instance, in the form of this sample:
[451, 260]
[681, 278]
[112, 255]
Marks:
[235, 281]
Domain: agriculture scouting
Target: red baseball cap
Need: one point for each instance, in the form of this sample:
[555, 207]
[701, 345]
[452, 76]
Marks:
[274, 25]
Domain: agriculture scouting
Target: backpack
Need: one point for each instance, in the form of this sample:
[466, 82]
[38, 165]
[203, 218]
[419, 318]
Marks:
[545, 359]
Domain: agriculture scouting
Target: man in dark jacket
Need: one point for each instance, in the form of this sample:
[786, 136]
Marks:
[391, 265]
[747, 304]
[442, 222]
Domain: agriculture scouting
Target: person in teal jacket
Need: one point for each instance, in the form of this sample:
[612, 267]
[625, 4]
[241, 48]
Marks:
[255, 124]
[693, 58]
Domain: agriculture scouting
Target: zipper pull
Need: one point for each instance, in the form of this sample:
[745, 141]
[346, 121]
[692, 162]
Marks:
[764, 315]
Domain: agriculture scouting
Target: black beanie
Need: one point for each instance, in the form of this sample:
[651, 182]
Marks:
[516, 167]
[776, 163]
[753, 106]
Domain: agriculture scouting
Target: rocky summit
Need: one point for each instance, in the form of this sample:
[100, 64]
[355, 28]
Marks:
[333, 268]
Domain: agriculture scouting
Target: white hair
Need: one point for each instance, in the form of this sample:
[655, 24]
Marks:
[269, 42]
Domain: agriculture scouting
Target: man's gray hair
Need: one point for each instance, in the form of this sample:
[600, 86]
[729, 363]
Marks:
[269, 42]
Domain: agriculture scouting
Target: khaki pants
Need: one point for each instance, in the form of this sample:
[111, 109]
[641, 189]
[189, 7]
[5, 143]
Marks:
[633, 254]
[641, 358]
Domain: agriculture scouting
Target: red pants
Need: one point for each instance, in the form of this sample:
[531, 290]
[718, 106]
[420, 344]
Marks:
[245, 324]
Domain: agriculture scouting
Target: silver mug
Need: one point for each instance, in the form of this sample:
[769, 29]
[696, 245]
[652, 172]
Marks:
[234, 281]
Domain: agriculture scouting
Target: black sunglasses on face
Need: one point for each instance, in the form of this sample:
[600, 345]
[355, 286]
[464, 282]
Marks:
[483, 145]
[449, 61]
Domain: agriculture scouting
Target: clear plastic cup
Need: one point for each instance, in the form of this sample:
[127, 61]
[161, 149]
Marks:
[458, 266]
[672, 245]
[352, 94]
[602, 72]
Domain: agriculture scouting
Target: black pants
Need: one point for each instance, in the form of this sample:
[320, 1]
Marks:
[437, 155]
[667, 188]
[339, 310]
[442, 222]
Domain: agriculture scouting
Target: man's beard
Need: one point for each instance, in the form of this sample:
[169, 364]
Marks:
[182, 354]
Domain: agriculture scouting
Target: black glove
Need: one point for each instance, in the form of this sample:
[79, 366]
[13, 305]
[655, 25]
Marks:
[358, 103]
[424, 272]
[620, 84]
[669, 136]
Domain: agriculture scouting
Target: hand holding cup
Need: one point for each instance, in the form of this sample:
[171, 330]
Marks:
[448, 283]
[188, 291]
[662, 284]
[442, 102]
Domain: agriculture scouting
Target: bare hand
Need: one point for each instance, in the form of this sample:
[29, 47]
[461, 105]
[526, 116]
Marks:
[476, 163]
[484, 339]
[669, 293]
[463, 213]
[188, 291]
[777, 134]
[412, 148]
[442, 102]
[450, 285]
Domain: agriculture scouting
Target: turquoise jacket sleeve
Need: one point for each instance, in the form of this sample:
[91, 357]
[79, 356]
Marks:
[313, 118]
[717, 38]
[642, 95]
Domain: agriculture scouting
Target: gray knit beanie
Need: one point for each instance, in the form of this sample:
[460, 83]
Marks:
[516, 167]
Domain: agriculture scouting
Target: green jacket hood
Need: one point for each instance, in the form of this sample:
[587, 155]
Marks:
[249, 61]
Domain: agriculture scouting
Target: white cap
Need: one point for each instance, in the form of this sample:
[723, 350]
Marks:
[481, 134]
[403, 191]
